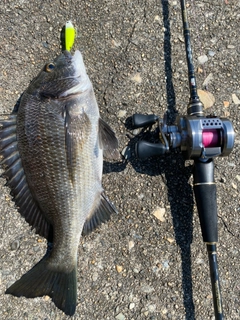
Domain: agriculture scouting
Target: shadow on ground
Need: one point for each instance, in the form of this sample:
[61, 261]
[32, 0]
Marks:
[176, 174]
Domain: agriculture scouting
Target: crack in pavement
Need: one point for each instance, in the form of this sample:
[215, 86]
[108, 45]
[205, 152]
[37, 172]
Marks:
[227, 228]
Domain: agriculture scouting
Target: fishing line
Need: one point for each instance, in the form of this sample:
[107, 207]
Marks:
[200, 138]
[199, 43]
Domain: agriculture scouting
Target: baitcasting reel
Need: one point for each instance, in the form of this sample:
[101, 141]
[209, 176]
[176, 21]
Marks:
[200, 138]
[196, 136]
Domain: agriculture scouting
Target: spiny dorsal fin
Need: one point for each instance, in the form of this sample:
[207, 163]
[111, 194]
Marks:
[16, 179]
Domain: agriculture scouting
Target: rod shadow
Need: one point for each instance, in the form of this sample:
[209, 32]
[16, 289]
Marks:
[172, 167]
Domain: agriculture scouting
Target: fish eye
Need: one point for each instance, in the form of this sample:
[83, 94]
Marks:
[49, 67]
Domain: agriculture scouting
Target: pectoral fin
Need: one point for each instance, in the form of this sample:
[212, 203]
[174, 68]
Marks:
[108, 141]
[77, 131]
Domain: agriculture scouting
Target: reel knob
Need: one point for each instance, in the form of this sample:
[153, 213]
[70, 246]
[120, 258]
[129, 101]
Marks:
[142, 120]
[144, 149]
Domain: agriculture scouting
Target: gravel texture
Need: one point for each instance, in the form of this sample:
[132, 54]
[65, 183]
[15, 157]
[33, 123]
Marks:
[149, 261]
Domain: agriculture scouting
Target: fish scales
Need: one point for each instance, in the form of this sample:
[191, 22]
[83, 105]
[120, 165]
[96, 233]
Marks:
[54, 169]
[48, 174]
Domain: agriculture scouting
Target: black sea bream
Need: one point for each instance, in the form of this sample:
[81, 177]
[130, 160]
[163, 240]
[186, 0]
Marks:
[52, 155]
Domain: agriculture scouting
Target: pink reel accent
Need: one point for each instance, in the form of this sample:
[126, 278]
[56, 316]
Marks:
[210, 138]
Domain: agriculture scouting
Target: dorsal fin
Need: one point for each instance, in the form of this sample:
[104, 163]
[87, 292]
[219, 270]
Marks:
[16, 179]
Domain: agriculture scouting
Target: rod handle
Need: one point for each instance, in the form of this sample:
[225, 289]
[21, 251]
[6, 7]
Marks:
[206, 198]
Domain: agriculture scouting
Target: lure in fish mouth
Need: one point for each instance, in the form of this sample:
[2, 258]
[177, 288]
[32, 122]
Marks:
[52, 154]
[63, 77]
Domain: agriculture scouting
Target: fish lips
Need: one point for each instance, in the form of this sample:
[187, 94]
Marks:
[80, 75]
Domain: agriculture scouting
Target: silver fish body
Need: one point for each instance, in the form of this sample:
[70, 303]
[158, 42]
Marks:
[52, 151]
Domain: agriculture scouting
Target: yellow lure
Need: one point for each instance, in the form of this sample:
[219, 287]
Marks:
[69, 35]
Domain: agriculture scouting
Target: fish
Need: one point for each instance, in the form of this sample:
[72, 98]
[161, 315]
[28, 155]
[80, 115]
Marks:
[51, 152]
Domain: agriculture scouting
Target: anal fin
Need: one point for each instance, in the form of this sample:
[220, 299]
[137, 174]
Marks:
[101, 214]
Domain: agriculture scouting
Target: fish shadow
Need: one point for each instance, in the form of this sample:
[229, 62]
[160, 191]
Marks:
[17, 104]
[171, 167]
[109, 167]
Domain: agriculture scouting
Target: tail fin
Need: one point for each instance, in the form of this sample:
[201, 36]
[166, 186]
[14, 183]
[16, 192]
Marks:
[42, 280]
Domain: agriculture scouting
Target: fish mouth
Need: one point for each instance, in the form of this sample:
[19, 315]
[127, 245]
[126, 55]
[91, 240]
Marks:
[77, 63]
[80, 75]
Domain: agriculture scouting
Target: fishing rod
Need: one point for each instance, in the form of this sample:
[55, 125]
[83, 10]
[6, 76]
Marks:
[200, 138]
